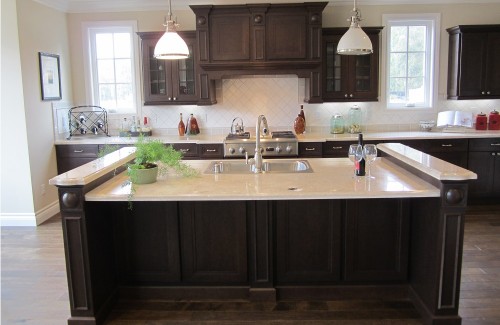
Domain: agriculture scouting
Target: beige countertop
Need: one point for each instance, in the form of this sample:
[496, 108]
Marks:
[332, 178]
[308, 137]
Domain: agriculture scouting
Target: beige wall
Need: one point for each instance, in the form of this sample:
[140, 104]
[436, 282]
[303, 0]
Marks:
[42, 29]
[16, 196]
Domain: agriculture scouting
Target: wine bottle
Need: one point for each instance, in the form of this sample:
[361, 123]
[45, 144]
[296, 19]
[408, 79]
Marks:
[360, 165]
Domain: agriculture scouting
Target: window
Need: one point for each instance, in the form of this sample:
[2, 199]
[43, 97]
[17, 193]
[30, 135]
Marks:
[412, 56]
[112, 71]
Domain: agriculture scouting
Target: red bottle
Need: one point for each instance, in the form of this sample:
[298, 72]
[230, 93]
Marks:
[481, 121]
[494, 120]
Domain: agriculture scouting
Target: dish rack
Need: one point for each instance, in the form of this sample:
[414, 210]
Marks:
[87, 120]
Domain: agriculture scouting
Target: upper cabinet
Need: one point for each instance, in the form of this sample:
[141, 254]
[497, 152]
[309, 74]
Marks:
[169, 82]
[350, 77]
[473, 65]
[261, 39]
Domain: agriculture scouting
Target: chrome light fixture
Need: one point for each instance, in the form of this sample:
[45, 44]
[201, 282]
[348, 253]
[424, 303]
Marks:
[355, 41]
[171, 46]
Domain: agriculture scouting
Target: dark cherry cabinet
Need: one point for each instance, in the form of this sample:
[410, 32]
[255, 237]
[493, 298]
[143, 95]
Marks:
[74, 155]
[214, 242]
[350, 77]
[484, 160]
[148, 241]
[473, 65]
[376, 243]
[169, 82]
[308, 241]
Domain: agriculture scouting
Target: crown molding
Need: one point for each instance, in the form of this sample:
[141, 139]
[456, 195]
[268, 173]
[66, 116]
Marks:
[84, 6]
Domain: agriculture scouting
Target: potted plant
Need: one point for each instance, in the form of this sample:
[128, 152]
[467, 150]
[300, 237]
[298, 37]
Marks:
[153, 158]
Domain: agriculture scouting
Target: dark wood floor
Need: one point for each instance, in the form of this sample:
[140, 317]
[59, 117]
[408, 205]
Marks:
[34, 290]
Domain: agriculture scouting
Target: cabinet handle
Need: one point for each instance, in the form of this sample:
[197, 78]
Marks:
[446, 145]
[211, 150]
[336, 148]
[493, 154]
[184, 150]
[495, 144]
[78, 151]
[310, 149]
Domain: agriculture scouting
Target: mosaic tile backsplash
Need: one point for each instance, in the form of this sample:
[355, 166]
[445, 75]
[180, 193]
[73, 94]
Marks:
[279, 99]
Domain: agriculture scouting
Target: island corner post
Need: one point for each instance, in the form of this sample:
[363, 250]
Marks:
[95, 280]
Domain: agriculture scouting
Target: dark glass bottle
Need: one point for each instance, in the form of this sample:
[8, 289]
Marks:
[181, 127]
[360, 166]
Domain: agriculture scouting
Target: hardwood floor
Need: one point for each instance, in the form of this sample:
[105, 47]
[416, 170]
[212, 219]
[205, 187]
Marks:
[34, 289]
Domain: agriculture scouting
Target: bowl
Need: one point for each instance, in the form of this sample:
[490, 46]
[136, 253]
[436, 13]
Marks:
[427, 125]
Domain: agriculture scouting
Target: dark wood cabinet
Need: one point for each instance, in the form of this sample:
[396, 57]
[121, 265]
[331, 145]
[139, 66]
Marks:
[350, 77]
[211, 151]
[214, 242]
[261, 39]
[484, 160]
[451, 150]
[169, 82]
[148, 241]
[473, 65]
[74, 155]
[310, 149]
[308, 241]
[376, 244]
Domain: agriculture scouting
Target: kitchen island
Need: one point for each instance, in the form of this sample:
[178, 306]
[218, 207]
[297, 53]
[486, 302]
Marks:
[267, 236]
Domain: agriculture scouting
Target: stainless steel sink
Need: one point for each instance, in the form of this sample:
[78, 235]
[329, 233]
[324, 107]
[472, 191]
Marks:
[268, 166]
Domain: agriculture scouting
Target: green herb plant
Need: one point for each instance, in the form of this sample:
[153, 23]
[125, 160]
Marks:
[152, 153]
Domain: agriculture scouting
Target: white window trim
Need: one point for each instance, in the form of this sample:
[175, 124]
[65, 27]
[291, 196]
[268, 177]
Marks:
[435, 18]
[89, 91]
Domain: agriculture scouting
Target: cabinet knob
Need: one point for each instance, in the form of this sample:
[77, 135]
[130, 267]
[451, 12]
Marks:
[487, 92]
[345, 95]
[493, 154]
[482, 93]
[351, 95]
[169, 98]
[175, 98]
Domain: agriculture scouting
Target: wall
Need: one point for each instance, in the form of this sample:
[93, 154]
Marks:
[42, 29]
[235, 99]
[16, 205]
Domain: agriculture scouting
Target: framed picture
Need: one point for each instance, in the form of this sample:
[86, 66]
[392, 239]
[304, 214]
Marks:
[50, 77]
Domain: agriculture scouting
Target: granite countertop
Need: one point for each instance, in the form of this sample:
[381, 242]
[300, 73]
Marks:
[331, 178]
[307, 137]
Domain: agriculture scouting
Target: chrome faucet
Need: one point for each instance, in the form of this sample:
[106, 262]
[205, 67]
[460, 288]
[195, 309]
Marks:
[258, 150]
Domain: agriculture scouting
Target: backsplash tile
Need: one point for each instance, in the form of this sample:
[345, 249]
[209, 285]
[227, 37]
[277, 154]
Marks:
[279, 99]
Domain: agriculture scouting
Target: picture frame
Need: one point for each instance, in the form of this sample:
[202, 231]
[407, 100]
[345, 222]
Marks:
[50, 76]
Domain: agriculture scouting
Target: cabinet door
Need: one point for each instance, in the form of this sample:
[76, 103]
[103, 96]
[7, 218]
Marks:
[376, 244]
[473, 65]
[157, 75]
[335, 70]
[308, 241]
[279, 44]
[493, 65]
[184, 74]
[483, 163]
[364, 77]
[214, 242]
[230, 37]
[310, 149]
[147, 240]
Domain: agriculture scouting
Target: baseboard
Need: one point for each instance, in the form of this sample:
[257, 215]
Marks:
[47, 212]
[29, 219]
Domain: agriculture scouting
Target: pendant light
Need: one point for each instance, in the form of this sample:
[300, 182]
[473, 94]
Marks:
[171, 46]
[355, 41]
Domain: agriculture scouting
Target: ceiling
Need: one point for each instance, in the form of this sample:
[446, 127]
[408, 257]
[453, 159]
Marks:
[76, 6]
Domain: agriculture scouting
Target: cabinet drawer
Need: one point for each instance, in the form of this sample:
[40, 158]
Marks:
[211, 151]
[336, 149]
[189, 150]
[492, 144]
[77, 150]
[444, 145]
[310, 149]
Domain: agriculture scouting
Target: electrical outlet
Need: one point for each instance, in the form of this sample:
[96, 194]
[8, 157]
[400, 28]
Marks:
[43, 189]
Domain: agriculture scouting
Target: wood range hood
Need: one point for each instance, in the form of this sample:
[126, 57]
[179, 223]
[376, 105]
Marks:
[260, 39]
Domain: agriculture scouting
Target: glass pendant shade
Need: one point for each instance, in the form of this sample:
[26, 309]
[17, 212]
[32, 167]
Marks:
[355, 42]
[171, 47]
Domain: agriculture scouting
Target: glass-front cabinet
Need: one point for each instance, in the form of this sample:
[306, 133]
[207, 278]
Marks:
[350, 77]
[168, 82]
